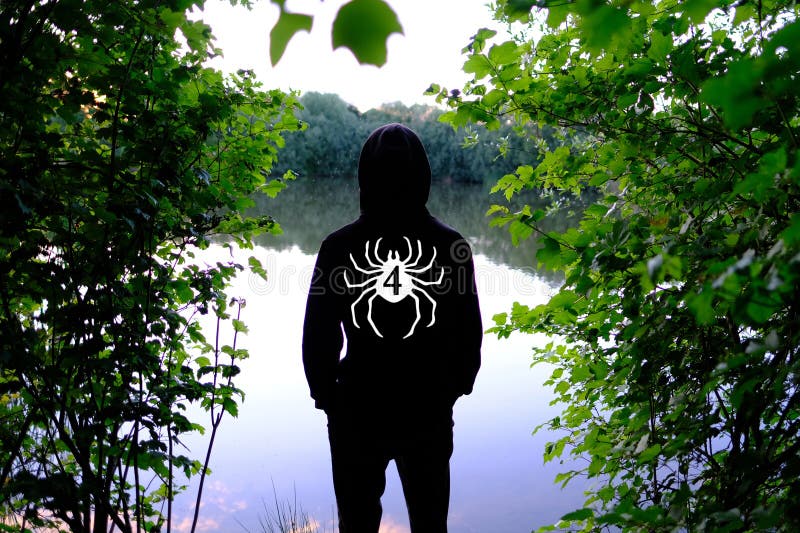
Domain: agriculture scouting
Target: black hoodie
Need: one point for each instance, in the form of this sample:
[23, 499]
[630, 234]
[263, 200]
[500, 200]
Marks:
[401, 286]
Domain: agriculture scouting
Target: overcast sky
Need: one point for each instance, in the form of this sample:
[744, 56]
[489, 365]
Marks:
[428, 52]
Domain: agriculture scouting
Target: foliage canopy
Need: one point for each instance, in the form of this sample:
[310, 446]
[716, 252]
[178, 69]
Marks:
[120, 154]
[677, 359]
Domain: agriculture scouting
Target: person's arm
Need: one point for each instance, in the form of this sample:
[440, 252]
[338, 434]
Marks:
[470, 328]
[322, 333]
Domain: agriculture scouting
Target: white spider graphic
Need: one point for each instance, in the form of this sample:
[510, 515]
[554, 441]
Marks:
[393, 279]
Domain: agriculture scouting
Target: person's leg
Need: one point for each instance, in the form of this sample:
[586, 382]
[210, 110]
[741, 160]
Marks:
[424, 468]
[359, 476]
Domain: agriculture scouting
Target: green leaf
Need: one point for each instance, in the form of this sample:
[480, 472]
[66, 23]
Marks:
[230, 407]
[650, 453]
[701, 305]
[744, 11]
[273, 187]
[478, 42]
[172, 19]
[197, 34]
[580, 373]
[494, 97]
[625, 100]
[477, 64]
[557, 14]
[285, 28]
[550, 253]
[500, 318]
[504, 53]
[602, 23]
[737, 93]
[257, 267]
[697, 10]
[787, 37]
[364, 26]
[518, 9]
[759, 312]
[660, 46]
[183, 290]
[791, 235]
[742, 389]
[519, 232]
[580, 514]
[562, 387]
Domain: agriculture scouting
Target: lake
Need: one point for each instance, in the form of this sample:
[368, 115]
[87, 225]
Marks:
[277, 448]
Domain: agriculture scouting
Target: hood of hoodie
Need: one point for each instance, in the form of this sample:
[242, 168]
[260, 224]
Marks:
[394, 175]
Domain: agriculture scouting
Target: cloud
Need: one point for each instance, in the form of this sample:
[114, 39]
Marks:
[225, 499]
[389, 525]
[203, 524]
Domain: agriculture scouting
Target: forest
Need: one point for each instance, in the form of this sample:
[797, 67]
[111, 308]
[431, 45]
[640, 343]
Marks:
[675, 352]
[330, 144]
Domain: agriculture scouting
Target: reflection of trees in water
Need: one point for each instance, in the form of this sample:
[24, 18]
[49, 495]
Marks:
[310, 209]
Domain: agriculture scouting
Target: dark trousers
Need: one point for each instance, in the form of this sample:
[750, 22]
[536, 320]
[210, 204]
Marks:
[360, 453]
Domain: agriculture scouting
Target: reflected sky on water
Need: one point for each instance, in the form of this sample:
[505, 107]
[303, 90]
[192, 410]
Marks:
[310, 209]
[278, 445]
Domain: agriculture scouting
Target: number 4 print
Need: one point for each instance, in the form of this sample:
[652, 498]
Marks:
[394, 278]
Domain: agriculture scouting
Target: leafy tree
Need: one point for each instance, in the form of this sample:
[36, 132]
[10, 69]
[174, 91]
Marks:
[331, 144]
[462, 155]
[120, 154]
[677, 330]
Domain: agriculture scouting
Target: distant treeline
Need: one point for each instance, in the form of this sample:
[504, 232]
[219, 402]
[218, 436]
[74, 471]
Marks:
[330, 146]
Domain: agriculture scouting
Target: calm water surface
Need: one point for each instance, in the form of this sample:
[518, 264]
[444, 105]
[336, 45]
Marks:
[278, 446]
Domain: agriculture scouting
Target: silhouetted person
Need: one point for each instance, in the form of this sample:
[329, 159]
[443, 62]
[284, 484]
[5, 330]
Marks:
[401, 285]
